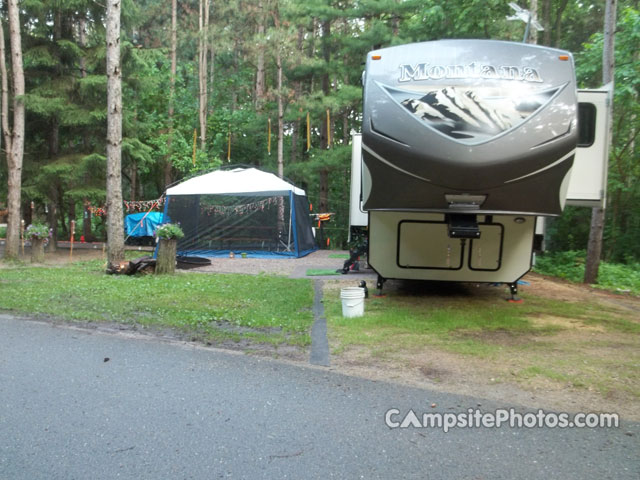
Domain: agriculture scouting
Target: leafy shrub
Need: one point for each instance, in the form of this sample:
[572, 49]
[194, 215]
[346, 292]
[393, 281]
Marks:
[620, 277]
[570, 266]
[169, 231]
[3, 232]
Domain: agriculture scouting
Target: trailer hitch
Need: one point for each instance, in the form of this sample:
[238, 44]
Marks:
[463, 226]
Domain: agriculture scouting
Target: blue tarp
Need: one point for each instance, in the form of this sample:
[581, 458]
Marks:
[137, 227]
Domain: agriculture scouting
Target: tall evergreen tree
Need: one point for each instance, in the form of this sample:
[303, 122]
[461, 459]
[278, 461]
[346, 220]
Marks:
[115, 224]
[594, 249]
[14, 135]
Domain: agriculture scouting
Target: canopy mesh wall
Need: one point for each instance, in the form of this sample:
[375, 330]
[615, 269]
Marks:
[259, 225]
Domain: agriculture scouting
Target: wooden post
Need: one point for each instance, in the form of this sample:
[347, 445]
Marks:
[166, 262]
[37, 250]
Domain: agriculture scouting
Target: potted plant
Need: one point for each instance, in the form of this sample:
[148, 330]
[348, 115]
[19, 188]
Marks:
[37, 233]
[168, 236]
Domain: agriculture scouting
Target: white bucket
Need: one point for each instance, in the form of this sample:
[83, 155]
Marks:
[352, 301]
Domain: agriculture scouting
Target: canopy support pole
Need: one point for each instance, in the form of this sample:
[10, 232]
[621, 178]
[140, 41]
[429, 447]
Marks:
[290, 218]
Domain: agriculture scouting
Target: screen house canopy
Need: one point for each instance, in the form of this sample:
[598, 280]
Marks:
[242, 210]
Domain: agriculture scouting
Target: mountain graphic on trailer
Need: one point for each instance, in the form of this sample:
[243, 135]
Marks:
[467, 115]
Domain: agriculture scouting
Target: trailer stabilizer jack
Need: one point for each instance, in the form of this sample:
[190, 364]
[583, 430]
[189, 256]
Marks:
[379, 285]
[513, 289]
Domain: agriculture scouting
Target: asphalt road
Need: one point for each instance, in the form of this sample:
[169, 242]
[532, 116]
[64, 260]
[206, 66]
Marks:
[83, 405]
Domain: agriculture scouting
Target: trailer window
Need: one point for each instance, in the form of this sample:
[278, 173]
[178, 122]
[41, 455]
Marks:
[586, 124]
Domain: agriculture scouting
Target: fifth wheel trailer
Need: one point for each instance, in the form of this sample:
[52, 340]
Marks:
[464, 144]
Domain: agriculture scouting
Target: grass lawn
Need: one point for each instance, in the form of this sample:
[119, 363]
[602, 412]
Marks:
[212, 307]
[581, 344]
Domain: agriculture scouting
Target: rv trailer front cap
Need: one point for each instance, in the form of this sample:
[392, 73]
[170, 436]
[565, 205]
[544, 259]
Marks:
[468, 116]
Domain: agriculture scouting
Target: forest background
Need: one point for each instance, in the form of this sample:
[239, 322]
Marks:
[275, 84]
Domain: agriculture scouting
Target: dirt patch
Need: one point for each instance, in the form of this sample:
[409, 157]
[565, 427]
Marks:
[557, 289]
[500, 382]
[571, 324]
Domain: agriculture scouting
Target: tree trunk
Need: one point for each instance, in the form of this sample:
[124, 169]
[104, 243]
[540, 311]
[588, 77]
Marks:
[86, 222]
[52, 220]
[166, 261]
[212, 71]
[167, 177]
[234, 91]
[295, 139]
[608, 57]
[260, 73]
[203, 44]
[280, 125]
[533, 11]
[297, 92]
[14, 145]
[82, 39]
[37, 250]
[60, 210]
[54, 137]
[546, 22]
[6, 131]
[558, 22]
[325, 129]
[133, 192]
[115, 230]
[594, 249]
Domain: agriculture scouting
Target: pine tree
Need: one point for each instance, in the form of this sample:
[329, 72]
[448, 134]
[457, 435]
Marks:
[115, 224]
[594, 250]
[14, 136]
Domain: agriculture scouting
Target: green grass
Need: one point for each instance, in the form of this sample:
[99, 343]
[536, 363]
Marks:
[321, 271]
[473, 325]
[412, 321]
[262, 308]
[588, 313]
[538, 371]
[339, 255]
[598, 372]
[570, 266]
[540, 340]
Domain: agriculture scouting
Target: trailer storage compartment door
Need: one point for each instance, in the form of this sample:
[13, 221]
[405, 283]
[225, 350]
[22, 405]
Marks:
[588, 177]
[417, 246]
[486, 251]
[426, 244]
